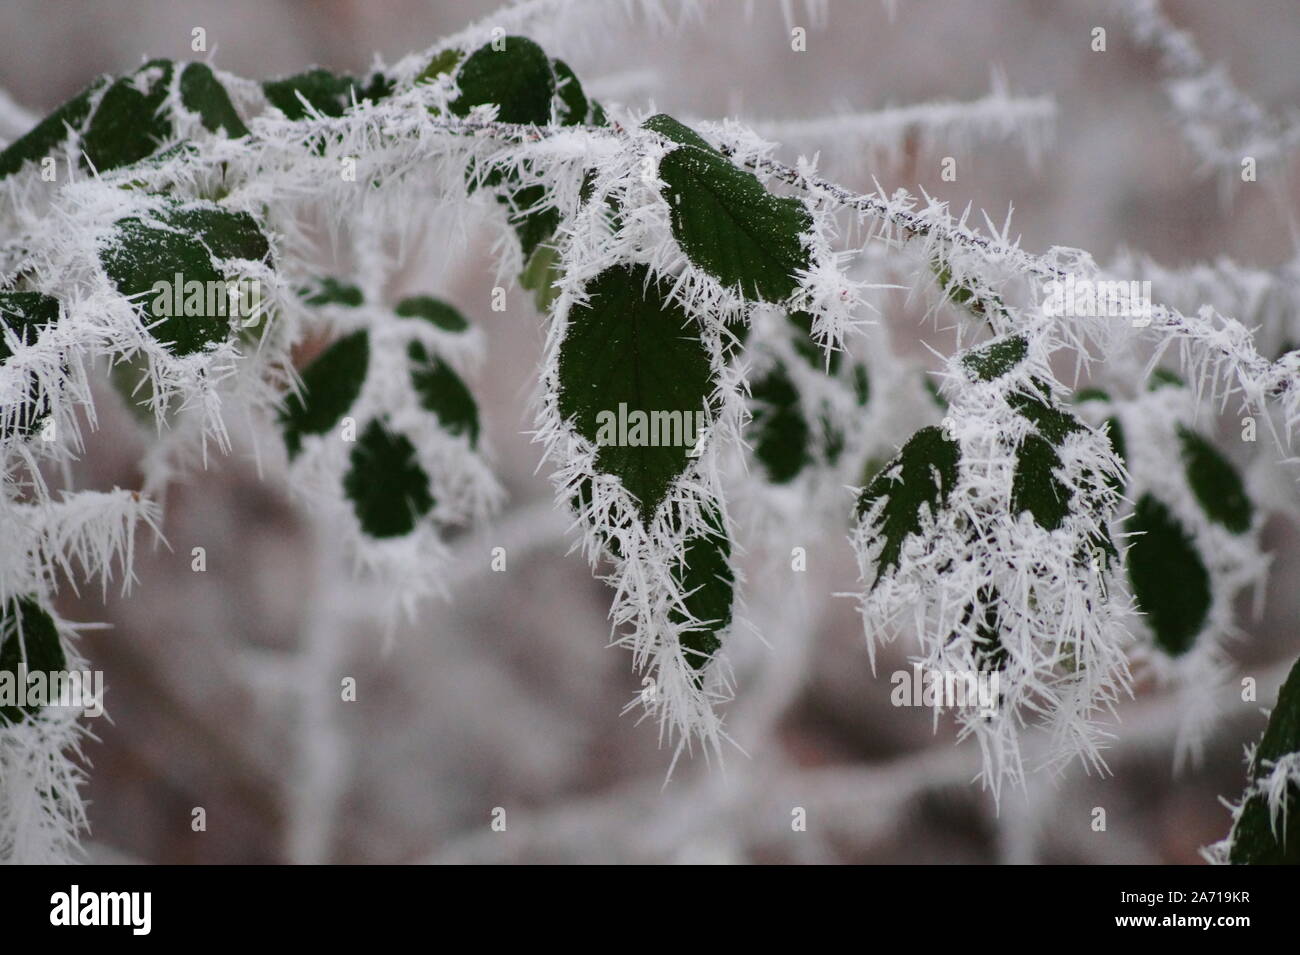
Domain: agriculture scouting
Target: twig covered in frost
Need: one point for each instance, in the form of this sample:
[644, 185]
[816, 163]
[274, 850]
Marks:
[1222, 124]
[853, 141]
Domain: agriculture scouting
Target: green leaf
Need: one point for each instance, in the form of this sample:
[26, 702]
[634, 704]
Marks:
[780, 432]
[330, 385]
[443, 62]
[227, 235]
[43, 138]
[629, 344]
[437, 313]
[573, 101]
[1215, 483]
[990, 652]
[1115, 433]
[442, 392]
[1254, 841]
[708, 584]
[517, 78]
[388, 488]
[202, 93]
[726, 222]
[129, 124]
[1169, 579]
[540, 274]
[921, 476]
[330, 291]
[996, 358]
[328, 94]
[27, 636]
[1053, 422]
[1035, 487]
[180, 240]
[1164, 378]
[26, 314]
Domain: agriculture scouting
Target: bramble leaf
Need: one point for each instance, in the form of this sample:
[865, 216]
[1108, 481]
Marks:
[1255, 840]
[517, 78]
[443, 392]
[780, 432]
[185, 241]
[130, 124]
[630, 345]
[708, 583]
[388, 488]
[1215, 483]
[43, 138]
[435, 312]
[921, 476]
[330, 385]
[1169, 579]
[202, 93]
[24, 314]
[330, 291]
[38, 648]
[996, 358]
[726, 222]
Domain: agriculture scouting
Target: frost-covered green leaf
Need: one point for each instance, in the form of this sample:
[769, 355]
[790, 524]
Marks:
[1036, 488]
[707, 584]
[325, 92]
[442, 392]
[1164, 378]
[1168, 576]
[1267, 828]
[442, 63]
[630, 346]
[1215, 483]
[24, 315]
[573, 100]
[517, 78]
[996, 358]
[778, 431]
[28, 637]
[1115, 432]
[330, 385]
[331, 291]
[432, 310]
[540, 274]
[726, 222]
[202, 93]
[1052, 421]
[130, 121]
[917, 481]
[46, 136]
[388, 488]
[185, 241]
